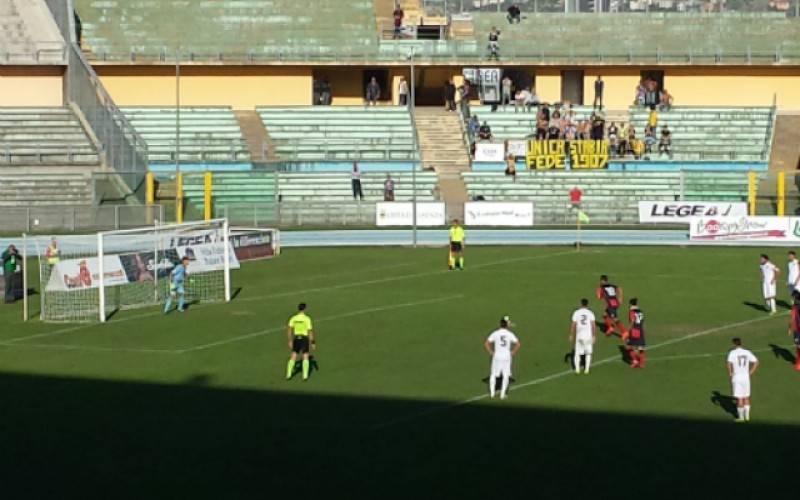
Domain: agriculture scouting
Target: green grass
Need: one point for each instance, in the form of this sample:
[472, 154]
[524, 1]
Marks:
[195, 405]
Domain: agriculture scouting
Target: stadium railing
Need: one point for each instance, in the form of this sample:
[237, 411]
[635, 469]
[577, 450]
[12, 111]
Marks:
[33, 52]
[72, 218]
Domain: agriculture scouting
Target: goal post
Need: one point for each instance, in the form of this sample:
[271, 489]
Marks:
[94, 276]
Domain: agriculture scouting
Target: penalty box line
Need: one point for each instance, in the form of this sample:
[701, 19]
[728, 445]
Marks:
[558, 375]
[284, 294]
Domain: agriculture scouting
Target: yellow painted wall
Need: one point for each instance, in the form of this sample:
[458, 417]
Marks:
[238, 87]
[548, 86]
[619, 89]
[31, 86]
[743, 87]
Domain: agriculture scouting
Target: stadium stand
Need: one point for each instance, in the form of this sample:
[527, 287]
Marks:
[249, 29]
[715, 133]
[336, 186]
[609, 197]
[340, 132]
[28, 34]
[657, 36]
[207, 134]
[23, 189]
[44, 136]
[238, 191]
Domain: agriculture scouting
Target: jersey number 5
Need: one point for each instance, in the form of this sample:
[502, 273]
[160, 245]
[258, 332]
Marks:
[503, 341]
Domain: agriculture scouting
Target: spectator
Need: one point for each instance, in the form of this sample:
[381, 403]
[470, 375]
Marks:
[402, 91]
[631, 140]
[638, 98]
[436, 192]
[613, 138]
[327, 92]
[541, 126]
[622, 150]
[652, 120]
[373, 92]
[598, 126]
[474, 125]
[494, 43]
[398, 21]
[651, 93]
[586, 130]
[665, 144]
[533, 100]
[599, 86]
[463, 93]
[649, 140]
[545, 109]
[511, 167]
[388, 188]
[355, 177]
[514, 14]
[575, 196]
[10, 259]
[485, 132]
[316, 92]
[473, 146]
[505, 96]
[554, 127]
[449, 96]
[666, 101]
[520, 99]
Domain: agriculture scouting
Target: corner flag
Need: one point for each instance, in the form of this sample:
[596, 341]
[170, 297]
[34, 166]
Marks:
[583, 217]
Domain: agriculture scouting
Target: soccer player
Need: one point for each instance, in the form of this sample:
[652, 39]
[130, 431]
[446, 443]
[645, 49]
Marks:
[300, 334]
[742, 364]
[52, 254]
[583, 331]
[769, 273]
[612, 294]
[176, 280]
[794, 328]
[792, 273]
[502, 346]
[635, 335]
[457, 239]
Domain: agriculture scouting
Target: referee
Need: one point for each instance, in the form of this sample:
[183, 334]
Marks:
[300, 333]
[457, 240]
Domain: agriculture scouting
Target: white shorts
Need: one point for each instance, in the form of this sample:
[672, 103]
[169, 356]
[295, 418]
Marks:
[501, 367]
[583, 347]
[741, 387]
[769, 290]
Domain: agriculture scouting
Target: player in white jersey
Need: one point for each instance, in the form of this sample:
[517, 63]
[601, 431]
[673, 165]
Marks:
[769, 275]
[583, 331]
[742, 363]
[502, 345]
[792, 274]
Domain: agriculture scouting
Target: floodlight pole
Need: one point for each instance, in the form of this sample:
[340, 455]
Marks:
[414, 163]
[178, 110]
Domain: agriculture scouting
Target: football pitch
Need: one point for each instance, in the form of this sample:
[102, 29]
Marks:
[196, 405]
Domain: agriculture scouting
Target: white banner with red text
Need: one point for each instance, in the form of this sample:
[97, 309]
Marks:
[401, 213]
[680, 212]
[491, 213]
[742, 229]
[489, 152]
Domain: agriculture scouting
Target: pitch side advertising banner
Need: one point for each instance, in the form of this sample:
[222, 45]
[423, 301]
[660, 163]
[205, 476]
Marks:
[489, 152]
[252, 244]
[517, 148]
[750, 229]
[681, 212]
[398, 213]
[489, 213]
[81, 274]
[207, 257]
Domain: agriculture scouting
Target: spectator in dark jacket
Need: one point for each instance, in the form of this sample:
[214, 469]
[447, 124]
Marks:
[449, 95]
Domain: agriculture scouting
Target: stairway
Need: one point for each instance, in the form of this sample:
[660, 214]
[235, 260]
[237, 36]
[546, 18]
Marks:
[255, 135]
[442, 149]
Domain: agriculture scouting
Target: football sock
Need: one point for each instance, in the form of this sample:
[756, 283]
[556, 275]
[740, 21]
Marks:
[451, 261]
[797, 358]
[740, 411]
[289, 368]
[621, 327]
[306, 368]
[492, 385]
[641, 358]
[609, 324]
[588, 363]
[504, 387]
[461, 262]
[181, 303]
[577, 360]
[633, 356]
[169, 304]
[747, 412]
[772, 305]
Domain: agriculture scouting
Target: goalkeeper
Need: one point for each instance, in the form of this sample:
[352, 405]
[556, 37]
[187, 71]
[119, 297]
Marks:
[176, 280]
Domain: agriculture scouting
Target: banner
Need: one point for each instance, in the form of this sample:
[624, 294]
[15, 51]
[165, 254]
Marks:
[489, 152]
[583, 154]
[207, 257]
[81, 274]
[399, 213]
[753, 229]
[489, 213]
[680, 212]
[253, 244]
[517, 148]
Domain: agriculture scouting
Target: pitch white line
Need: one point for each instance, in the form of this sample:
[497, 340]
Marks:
[286, 294]
[564, 373]
[326, 318]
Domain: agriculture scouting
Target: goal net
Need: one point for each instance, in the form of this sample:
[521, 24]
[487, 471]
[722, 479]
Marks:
[90, 277]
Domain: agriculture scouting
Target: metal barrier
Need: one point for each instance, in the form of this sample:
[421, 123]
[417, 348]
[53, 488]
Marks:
[61, 219]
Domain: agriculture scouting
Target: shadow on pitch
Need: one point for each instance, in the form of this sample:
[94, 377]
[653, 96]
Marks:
[727, 403]
[782, 353]
[625, 354]
[757, 307]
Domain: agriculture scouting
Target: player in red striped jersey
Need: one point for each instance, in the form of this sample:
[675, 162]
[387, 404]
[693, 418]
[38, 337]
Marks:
[612, 294]
[794, 328]
[635, 335]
